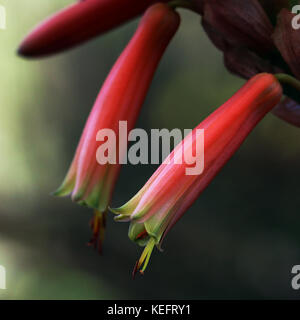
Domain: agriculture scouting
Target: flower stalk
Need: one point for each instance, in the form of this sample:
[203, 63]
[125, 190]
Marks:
[287, 79]
[187, 4]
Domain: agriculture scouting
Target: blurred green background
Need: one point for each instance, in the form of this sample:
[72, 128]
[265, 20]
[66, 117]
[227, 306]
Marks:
[239, 240]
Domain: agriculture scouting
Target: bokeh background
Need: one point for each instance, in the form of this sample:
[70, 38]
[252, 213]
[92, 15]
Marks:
[238, 241]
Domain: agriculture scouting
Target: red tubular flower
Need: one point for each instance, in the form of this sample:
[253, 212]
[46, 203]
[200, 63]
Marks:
[78, 23]
[120, 99]
[170, 191]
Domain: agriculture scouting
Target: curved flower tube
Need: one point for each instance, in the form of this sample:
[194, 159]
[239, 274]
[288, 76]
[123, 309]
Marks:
[170, 191]
[120, 99]
[78, 23]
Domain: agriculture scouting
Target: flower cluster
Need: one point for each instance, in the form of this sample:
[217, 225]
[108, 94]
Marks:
[258, 43]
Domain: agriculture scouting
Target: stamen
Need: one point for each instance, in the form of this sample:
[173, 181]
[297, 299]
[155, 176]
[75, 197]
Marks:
[145, 258]
[98, 224]
[142, 235]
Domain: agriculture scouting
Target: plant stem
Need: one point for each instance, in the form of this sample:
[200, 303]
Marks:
[181, 4]
[289, 80]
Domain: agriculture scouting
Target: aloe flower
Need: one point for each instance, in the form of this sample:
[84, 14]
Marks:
[170, 191]
[120, 99]
[78, 23]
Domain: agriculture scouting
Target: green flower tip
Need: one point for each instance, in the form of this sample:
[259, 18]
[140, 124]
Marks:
[122, 214]
[61, 192]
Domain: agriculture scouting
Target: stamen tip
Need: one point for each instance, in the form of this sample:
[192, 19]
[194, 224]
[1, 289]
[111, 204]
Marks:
[135, 269]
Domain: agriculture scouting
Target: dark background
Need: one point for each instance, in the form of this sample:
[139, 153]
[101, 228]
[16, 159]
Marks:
[239, 240]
